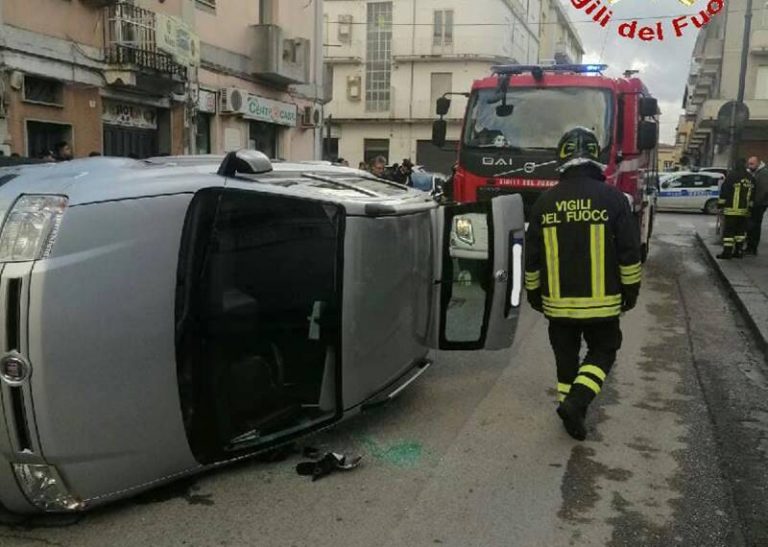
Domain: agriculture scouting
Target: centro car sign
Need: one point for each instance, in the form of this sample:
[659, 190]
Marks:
[271, 111]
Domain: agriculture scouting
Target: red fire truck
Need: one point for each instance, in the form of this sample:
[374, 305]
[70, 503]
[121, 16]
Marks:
[515, 118]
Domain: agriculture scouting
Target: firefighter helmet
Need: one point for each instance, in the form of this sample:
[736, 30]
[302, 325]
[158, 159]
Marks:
[578, 146]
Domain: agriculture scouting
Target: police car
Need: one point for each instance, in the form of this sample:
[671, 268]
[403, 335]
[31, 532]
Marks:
[689, 191]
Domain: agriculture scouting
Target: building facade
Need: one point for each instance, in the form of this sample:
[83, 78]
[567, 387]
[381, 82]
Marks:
[668, 157]
[389, 62]
[714, 80]
[559, 42]
[147, 77]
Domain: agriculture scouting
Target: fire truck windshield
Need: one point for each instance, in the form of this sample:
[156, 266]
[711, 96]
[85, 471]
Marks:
[539, 118]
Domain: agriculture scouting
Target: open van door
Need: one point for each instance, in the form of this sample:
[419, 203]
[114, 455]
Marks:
[478, 274]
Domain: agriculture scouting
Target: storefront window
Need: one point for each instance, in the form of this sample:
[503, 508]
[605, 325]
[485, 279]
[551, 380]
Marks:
[43, 136]
[263, 137]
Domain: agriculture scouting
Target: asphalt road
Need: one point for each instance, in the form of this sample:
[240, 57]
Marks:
[474, 455]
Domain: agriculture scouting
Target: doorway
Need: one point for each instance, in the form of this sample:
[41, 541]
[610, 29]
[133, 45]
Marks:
[263, 137]
[129, 142]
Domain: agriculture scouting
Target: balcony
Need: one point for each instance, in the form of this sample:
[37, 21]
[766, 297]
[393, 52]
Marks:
[133, 55]
[98, 3]
[277, 58]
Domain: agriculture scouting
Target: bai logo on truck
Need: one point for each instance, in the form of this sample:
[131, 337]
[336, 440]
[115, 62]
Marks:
[602, 15]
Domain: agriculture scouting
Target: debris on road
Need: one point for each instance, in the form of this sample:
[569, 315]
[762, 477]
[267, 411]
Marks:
[330, 462]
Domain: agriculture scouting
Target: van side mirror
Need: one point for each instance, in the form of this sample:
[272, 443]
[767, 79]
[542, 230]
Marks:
[648, 107]
[443, 106]
[439, 131]
[647, 135]
[505, 110]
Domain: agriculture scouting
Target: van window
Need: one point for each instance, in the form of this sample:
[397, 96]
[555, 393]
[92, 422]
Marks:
[259, 323]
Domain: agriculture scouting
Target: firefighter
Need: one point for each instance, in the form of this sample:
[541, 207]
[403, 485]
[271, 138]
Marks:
[582, 271]
[735, 203]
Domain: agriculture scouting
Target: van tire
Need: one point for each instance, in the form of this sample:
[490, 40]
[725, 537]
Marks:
[710, 207]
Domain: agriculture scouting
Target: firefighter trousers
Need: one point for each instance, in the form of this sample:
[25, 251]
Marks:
[583, 380]
[734, 234]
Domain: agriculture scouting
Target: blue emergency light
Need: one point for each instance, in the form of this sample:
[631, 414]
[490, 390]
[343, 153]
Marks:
[520, 69]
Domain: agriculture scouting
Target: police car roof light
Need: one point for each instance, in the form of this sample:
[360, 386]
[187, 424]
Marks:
[573, 68]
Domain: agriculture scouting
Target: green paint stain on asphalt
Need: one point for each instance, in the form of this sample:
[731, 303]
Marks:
[403, 454]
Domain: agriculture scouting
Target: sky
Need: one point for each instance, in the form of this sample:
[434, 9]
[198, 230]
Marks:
[663, 65]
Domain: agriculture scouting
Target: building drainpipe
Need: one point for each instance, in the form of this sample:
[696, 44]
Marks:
[412, 144]
[734, 131]
[319, 77]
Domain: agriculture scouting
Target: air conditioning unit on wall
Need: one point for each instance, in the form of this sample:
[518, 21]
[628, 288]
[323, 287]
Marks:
[232, 100]
[354, 83]
[345, 28]
[310, 117]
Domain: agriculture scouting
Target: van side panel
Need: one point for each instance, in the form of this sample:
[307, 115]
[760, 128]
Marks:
[388, 282]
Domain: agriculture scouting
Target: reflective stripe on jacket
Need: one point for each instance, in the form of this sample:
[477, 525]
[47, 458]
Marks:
[582, 249]
[736, 194]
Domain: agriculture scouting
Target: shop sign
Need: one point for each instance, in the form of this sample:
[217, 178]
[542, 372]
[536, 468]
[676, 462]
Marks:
[268, 110]
[206, 101]
[176, 38]
[129, 115]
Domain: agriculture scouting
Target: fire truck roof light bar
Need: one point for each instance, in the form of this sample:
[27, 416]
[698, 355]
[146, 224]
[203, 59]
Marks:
[520, 69]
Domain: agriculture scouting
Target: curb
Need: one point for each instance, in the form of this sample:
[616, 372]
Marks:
[746, 298]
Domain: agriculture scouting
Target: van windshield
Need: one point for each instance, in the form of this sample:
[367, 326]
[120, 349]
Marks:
[539, 118]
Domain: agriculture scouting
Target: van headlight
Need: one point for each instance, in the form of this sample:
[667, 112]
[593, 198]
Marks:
[44, 488]
[30, 227]
[464, 230]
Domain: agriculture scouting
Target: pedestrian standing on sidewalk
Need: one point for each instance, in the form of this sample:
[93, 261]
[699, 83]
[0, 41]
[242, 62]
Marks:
[582, 271]
[736, 201]
[760, 172]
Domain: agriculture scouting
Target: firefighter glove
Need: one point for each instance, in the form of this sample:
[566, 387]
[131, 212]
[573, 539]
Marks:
[534, 299]
[629, 297]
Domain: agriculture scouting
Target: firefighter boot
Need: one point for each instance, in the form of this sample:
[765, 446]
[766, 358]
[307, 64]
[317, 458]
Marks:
[727, 254]
[738, 251]
[572, 412]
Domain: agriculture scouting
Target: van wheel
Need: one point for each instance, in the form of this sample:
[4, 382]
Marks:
[711, 207]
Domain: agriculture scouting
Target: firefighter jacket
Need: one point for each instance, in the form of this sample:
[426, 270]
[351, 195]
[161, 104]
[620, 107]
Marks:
[582, 249]
[736, 194]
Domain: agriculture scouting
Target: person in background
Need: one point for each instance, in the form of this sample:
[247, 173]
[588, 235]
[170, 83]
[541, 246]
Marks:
[62, 151]
[402, 173]
[362, 166]
[378, 166]
[735, 201]
[342, 162]
[47, 155]
[760, 198]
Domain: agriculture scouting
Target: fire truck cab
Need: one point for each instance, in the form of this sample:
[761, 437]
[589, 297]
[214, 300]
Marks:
[516, 116]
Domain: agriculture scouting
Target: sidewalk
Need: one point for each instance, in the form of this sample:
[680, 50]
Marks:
[746, 279]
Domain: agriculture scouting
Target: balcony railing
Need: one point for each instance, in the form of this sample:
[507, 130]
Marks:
[132, 40]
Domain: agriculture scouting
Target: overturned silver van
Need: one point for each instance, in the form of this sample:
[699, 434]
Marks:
[162, 317]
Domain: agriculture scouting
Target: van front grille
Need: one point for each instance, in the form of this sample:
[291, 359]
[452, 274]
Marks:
[13, 315]
[23, 438]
